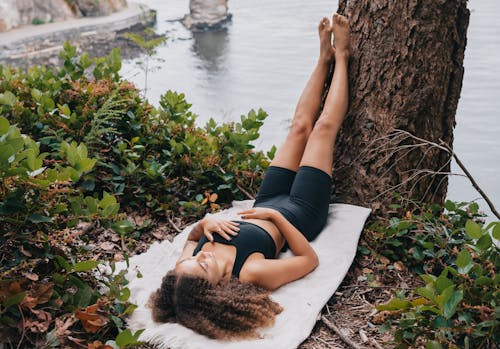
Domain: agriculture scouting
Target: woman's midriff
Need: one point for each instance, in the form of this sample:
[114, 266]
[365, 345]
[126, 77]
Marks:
[272, 229]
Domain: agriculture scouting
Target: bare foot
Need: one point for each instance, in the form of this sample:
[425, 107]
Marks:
[341, 33]
[326, 50]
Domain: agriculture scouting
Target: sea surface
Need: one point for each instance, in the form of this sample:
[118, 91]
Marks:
[263, 60]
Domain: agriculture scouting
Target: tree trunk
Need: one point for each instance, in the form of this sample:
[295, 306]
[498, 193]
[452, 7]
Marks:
[406, 74]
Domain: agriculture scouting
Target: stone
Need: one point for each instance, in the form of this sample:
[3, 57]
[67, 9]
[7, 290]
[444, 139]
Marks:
[9, 15]
[14, 13]
[206, 14]
[92, 8]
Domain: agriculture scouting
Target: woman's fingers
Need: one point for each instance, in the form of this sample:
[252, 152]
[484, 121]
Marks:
[209, 235]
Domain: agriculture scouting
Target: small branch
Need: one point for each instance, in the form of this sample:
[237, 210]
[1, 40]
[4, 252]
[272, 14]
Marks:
[337, 331]
[174, 225]
[248, 195]
[24, 327]
[375, 343]
[474, 183]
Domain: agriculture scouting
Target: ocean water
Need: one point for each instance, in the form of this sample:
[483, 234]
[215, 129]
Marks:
[263, 60]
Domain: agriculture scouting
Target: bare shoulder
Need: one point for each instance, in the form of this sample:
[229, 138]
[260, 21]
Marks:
[251, 266]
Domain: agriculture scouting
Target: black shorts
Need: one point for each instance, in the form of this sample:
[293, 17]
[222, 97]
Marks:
[302, 197]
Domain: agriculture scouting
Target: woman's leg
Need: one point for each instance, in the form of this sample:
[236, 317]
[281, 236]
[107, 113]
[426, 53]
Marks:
[289, 154]
[319, 149]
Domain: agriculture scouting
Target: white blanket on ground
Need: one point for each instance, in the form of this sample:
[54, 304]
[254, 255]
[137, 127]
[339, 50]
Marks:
[302, 300]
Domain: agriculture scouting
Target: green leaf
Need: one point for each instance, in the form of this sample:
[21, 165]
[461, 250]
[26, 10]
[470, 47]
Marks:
[13, 300]
[473, 229]
[450, 205]
[394, 304]
[450, 306]
[130, 309]
[124, 295]
[123, 227]
[496, 231]
[38, 218]
[8, 98]
[85, 265]
[126, 339]
[107, 200]
[442, 283]
[427, 292]
[464, 261]
[484, 242]
[4, 125]
[433, 345]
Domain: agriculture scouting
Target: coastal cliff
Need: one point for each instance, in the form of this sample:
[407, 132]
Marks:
[15, 13]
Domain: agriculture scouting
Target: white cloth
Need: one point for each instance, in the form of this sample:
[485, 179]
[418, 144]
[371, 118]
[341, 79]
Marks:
[302, 300]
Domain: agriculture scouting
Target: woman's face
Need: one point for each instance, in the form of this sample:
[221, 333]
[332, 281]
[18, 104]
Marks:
[203, 265]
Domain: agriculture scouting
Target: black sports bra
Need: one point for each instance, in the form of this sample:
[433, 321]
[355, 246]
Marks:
[251, 238]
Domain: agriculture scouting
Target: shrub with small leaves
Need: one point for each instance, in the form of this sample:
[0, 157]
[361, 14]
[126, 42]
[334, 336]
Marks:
[456, 257]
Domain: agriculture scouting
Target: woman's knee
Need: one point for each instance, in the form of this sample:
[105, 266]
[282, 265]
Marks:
[300, 129]
[326, 125]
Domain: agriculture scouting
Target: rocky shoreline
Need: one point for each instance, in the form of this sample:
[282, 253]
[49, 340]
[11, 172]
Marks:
[40, 45]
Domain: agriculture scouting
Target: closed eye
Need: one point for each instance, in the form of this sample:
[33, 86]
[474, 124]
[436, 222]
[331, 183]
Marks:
[204, 266]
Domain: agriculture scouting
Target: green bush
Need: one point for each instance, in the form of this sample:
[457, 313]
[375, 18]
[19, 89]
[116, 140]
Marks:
[457, 260]
[45, 274]
[148, 157]
[79, 144]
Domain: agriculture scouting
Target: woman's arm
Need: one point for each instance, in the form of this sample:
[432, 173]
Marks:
[273, 273]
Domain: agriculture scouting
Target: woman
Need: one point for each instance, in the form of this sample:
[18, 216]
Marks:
[220, 285]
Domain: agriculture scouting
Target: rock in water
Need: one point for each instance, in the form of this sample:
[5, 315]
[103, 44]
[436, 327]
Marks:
[206, 14]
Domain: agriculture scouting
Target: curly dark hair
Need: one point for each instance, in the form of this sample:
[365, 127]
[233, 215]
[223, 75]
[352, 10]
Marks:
[225, 311]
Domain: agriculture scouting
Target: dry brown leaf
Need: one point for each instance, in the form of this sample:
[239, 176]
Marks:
[213, 197]
[41, 324]
[367, 271]
[399, 266]
[106, 245]
[44, 292]
[118, 257]
[384, 260]
[91, 320]
[29, 302]
[62, 327]
[31, 276]
[98, 345]
[24, 251]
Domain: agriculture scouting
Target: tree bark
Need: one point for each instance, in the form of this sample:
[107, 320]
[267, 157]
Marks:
[405, 73]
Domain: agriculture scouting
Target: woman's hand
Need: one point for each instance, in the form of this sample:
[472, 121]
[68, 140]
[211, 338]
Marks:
[258, 213]
[224, 228]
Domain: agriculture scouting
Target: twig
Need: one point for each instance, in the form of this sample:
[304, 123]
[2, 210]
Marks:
[174, 225]
[322, 341]
[251, 197]
[474, 183]
[24, 327]
[375, 343]
[337, 331]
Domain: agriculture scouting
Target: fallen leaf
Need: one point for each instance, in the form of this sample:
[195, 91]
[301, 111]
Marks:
[25, 252]
[367, 271]
[384, 260]
[106, 245]
[399, 266]
[98, 345]
[91, 321]
[29, 302]
[44, 292]
[118, 257]
[213, 197]
[31, 276]
[41, 324]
